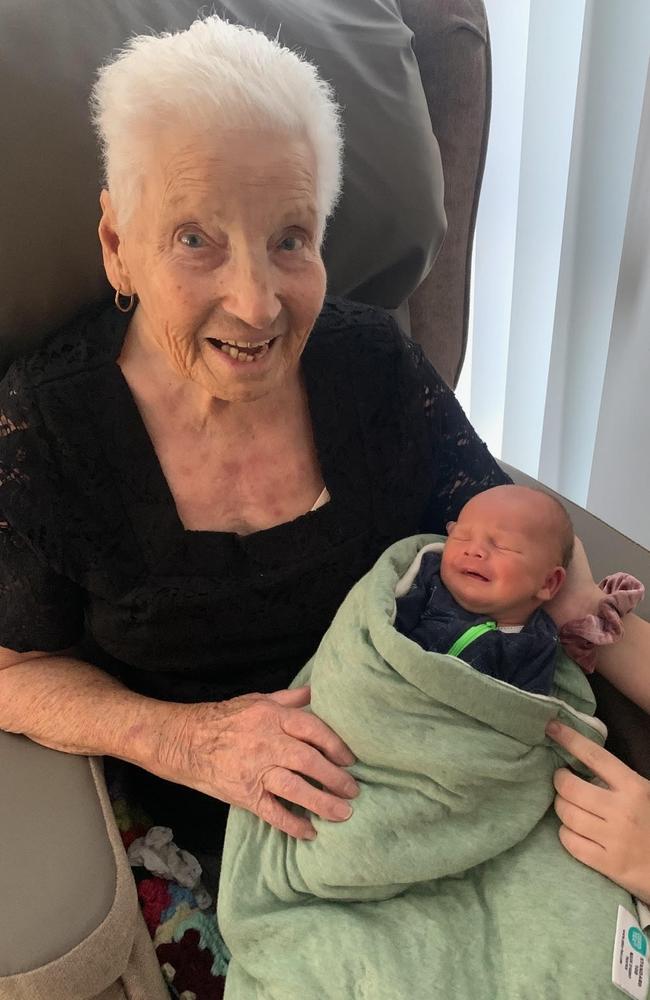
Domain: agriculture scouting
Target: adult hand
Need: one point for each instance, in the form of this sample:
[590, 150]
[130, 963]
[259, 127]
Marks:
[579, 595]
[607, 829]
[257, 749]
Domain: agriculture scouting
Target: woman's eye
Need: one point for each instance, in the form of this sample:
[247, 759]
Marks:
[292, 243]
[192, 240]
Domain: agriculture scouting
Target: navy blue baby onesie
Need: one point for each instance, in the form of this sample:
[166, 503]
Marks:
[430, 616]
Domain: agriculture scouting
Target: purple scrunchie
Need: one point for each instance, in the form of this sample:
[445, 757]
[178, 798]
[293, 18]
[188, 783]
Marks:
[580, 637]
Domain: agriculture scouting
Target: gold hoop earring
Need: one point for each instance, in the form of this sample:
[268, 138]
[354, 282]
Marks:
[129, 306]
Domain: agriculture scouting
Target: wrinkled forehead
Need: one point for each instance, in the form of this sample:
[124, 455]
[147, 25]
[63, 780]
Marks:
[227, 172]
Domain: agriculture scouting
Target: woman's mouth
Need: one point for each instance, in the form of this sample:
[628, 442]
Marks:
[243, 350]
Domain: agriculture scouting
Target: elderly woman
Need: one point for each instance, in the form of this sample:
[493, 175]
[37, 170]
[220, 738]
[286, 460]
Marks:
[194, 476]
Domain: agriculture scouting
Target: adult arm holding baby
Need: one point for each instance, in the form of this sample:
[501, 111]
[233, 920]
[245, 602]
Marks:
[607, 828]
[247, 750]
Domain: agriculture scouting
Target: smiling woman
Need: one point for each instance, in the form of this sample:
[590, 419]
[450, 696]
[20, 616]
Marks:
[197, 483]
[223, 252]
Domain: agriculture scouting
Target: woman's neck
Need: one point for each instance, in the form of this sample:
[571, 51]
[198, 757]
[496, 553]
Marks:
[158, 387]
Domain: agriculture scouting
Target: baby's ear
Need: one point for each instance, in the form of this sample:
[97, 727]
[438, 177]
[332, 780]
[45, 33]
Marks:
[449, 527]
[552, 584]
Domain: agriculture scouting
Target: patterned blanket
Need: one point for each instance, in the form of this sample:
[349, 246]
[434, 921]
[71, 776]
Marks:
[191, 953]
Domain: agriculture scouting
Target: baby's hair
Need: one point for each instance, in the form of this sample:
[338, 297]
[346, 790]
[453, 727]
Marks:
[566, 534]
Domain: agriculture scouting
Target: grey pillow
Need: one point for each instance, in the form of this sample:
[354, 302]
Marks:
[389, 223]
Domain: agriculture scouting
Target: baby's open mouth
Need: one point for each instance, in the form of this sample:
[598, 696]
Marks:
[241, 350]
[477, 576]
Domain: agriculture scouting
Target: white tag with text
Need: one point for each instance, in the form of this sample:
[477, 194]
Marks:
[630, 960]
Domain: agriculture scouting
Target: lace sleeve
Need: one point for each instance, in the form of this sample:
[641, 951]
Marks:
[463, 464]
[39, 608]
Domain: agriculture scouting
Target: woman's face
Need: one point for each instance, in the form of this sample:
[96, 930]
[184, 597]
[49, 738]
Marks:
[222, 253]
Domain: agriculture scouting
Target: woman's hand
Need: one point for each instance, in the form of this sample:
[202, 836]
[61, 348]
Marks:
[254, 750]
[606, 828]
[579, 595]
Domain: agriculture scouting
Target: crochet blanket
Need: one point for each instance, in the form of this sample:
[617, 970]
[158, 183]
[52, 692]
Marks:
[449, 878]
[184, 932]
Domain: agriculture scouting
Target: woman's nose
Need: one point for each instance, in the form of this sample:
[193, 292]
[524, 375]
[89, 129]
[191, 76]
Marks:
[250, 295]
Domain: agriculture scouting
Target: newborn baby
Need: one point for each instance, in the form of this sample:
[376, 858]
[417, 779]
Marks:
[480, 599]
[448, 879]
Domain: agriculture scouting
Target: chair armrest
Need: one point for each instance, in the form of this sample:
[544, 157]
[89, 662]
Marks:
[69, 905]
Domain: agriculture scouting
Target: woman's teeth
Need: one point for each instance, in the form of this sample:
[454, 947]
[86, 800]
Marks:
[244, 350]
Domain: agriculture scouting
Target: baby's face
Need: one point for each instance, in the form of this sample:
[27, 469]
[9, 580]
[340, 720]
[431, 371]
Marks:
[501, 556]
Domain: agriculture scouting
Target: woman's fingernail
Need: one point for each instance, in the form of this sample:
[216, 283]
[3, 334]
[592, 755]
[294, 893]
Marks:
[311, 835]
[343, 810]
[552, 728]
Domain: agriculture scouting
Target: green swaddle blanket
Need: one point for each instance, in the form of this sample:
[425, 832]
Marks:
[449, 879]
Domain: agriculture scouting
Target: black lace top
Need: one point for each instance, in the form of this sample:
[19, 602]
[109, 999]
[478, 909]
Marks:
[92, 551]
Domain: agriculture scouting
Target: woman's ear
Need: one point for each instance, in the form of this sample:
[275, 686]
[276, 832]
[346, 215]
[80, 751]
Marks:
[109, 237]
[552, 584]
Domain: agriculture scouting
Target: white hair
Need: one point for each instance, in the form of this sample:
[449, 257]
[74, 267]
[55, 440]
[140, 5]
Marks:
[217, 74]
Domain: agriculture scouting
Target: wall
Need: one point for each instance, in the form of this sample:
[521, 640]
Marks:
[613, 69]
[619, 489]
[550, 285]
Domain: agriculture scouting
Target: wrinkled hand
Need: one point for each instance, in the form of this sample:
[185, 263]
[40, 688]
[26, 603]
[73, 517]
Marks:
[254, 750]
[607, 829]
[579, 595]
